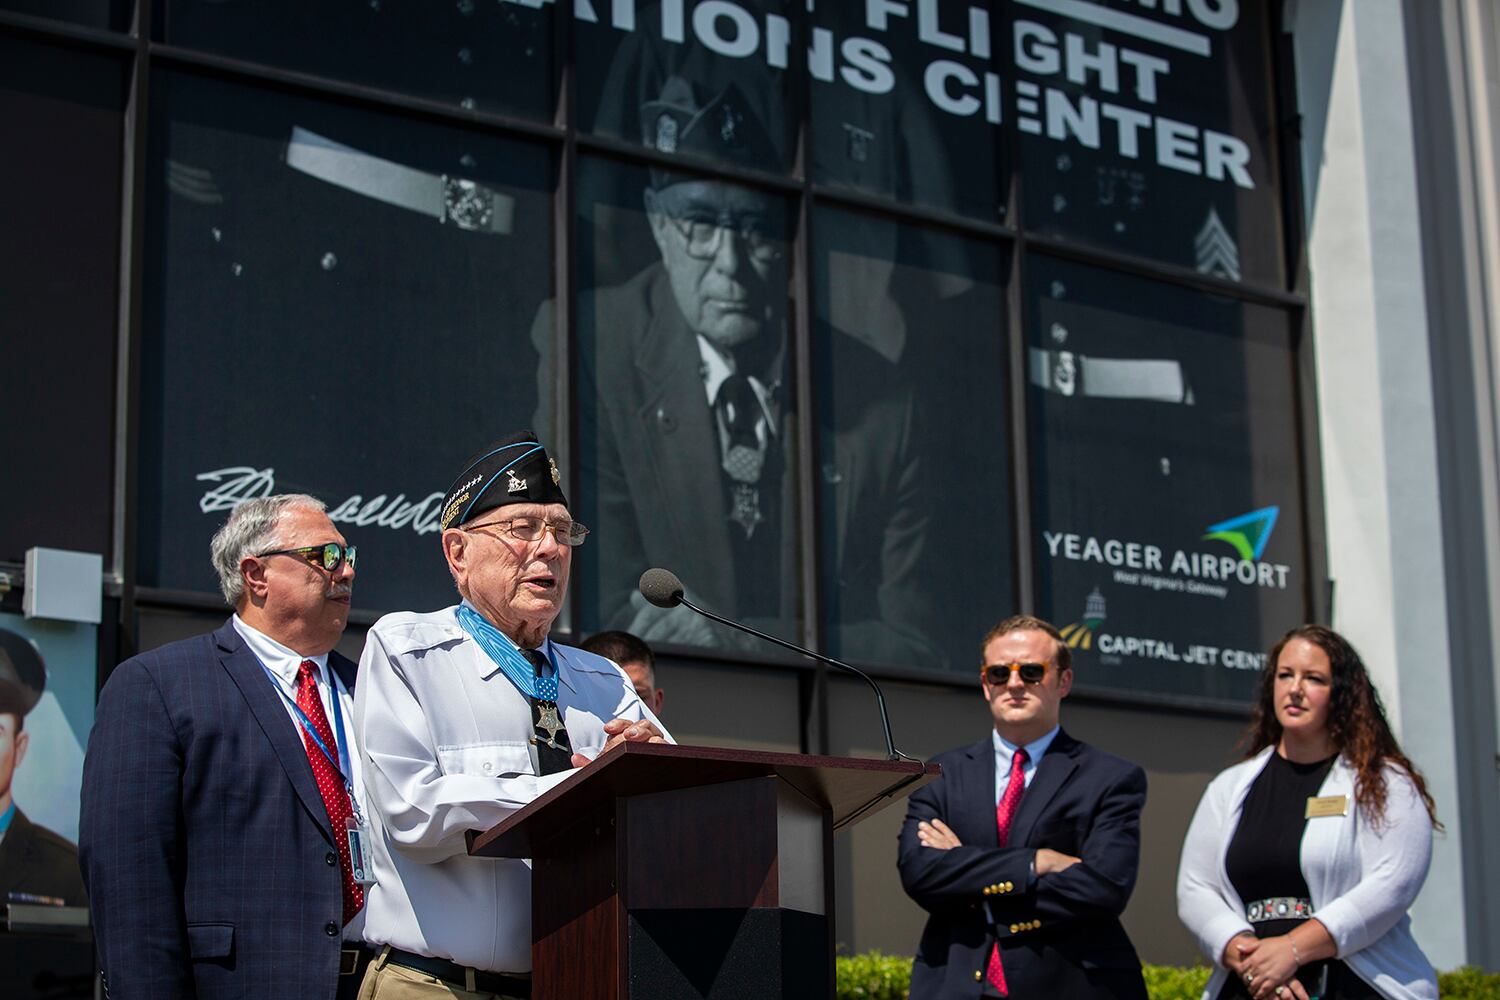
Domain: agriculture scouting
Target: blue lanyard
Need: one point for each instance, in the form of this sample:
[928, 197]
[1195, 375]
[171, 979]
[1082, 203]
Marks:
[508, 657]
[340, 764]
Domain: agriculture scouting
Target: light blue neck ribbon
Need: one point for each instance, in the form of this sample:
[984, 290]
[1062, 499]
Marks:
[7, 816]
[508, 657]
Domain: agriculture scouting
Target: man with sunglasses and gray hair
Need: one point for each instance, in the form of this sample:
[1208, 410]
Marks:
[467, 714]
[219, 783]
[1024, 852]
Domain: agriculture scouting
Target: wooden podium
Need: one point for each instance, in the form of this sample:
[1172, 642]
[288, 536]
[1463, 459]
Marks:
[662, 872]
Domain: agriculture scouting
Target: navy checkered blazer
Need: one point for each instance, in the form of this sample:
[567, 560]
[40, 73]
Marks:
[206, 848]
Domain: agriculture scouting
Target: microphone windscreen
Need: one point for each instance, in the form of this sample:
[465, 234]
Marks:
[661, 587]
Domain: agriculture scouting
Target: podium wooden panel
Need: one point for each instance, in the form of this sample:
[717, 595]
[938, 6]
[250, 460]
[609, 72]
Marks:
[664, 872]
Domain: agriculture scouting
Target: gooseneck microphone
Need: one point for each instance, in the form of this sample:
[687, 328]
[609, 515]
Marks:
[662, 588]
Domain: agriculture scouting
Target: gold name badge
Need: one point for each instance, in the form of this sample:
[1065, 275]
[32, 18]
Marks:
[1327, 805]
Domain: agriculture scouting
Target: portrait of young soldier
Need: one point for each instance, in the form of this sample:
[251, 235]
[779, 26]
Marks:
[36, 864]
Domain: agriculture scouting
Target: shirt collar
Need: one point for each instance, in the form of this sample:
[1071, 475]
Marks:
[1005, 749]
[717, 367]
[488, 666]
[282, 661]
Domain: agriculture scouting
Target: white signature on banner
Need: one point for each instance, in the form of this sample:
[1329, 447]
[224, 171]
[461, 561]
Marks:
[236, 484]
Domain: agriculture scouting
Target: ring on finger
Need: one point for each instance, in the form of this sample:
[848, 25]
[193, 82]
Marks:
[1280, 991]
[1249, 979]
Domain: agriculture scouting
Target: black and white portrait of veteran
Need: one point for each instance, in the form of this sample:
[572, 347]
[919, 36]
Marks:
[36, 865]
[467, 714]
[687, 423]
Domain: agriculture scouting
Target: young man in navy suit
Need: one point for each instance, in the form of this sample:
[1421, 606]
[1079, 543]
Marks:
[214, 833]
[1025, 851]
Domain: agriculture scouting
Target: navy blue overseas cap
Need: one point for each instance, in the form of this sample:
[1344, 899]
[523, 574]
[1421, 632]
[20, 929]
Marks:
[515, 469]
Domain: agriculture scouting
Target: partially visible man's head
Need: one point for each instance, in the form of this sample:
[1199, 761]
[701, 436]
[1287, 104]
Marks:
[286, 570]
[508, 537]
[23, 677]
[1026, 672]
[634, 657]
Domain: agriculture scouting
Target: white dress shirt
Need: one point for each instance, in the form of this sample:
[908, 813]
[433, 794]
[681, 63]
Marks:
[446, 738]
[286, 665]
[1005, 750]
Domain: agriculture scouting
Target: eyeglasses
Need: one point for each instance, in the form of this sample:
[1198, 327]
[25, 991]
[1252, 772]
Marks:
[998, 674]
[704, 232]
[329, 556]
[530, 529]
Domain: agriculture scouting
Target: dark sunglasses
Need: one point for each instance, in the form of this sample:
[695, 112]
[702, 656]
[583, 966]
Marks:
[998, 674]
[329, 555]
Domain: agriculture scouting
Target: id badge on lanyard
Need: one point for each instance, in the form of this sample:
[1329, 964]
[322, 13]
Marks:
[356, 829]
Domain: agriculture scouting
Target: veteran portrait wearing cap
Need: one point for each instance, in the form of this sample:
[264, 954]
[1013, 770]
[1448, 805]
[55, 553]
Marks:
[687, 426]
[36, 865]
[467, 714]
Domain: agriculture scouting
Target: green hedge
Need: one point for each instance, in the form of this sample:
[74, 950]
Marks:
[875, 976]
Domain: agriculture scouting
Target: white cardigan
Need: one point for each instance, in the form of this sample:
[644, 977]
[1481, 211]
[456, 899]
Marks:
[1362, 879]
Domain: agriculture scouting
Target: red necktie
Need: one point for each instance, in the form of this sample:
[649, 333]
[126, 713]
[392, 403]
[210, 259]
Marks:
[335, 796]
[1005, 814]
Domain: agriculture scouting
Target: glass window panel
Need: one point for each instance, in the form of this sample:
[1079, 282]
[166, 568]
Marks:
[705, 78]
[1151, 133]
[114, 14]
[896, 114]
[61, 119]
[913, 458]
[686, 435]
[337, 303]
[1168, 527]
[479, 54]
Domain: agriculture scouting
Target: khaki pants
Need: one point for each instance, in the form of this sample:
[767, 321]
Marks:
[388, 981]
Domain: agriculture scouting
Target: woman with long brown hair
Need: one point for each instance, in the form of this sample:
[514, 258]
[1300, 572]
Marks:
[1302, 860]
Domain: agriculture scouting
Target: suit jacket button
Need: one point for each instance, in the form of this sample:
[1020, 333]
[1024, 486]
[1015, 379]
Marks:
[331, 858]
[331, 929]
[1014, 928]
[978, 976]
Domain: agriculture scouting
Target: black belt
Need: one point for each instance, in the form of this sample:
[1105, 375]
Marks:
[458, 975]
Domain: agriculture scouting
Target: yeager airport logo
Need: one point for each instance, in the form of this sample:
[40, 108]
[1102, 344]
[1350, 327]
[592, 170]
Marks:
[1085, 634]
[1207, 573]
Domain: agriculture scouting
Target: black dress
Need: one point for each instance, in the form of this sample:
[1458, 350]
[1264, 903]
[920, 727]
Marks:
[1264, 862]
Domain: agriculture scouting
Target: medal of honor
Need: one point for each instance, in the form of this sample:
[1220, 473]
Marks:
[547, 720]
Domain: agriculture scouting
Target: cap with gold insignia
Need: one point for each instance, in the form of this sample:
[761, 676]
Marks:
[722, 126]
[22, 674]
[515, 469]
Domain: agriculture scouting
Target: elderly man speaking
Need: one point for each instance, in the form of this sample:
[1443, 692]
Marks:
[466, 715]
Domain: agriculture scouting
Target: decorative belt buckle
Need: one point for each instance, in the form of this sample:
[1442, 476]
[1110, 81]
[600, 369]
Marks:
[467, 204]
[348, 961]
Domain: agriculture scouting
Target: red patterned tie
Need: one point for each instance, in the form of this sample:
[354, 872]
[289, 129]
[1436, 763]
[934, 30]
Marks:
[335, 797]
[1005, 814]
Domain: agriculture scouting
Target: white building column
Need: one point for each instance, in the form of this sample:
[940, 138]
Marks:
[1375, 406]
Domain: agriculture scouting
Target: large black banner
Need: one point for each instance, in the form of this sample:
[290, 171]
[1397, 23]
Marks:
[348, 303]
[338, 304]
[1167, 521]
